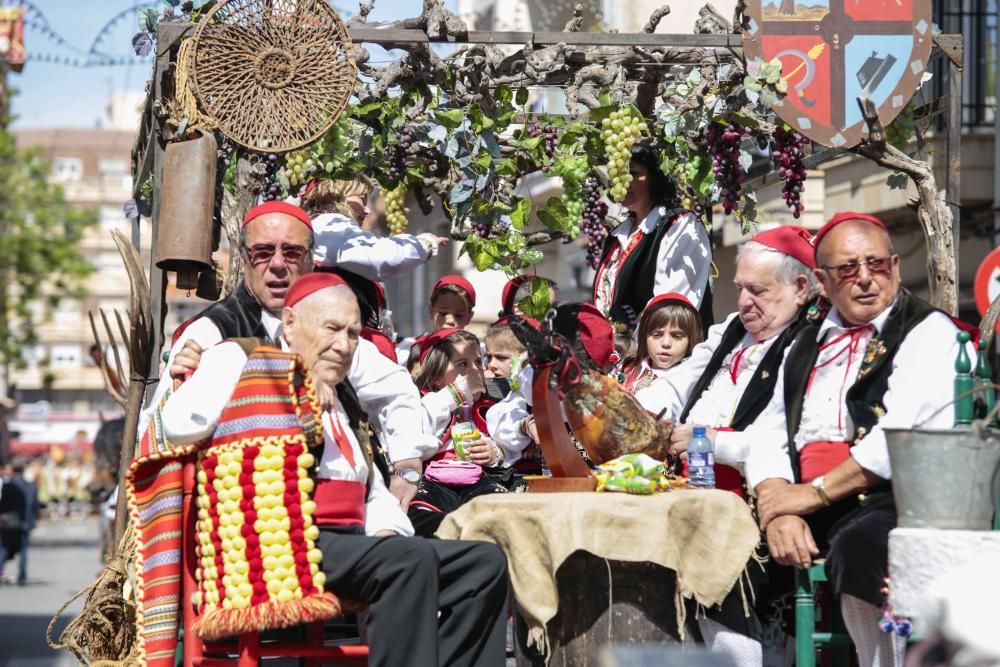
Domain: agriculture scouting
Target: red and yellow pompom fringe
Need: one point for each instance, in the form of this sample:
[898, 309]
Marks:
[218, 623]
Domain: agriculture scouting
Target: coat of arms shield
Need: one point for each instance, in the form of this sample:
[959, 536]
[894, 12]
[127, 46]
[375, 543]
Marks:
[834, 51]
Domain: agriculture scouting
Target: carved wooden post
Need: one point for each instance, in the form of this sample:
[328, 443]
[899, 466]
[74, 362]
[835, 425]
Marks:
[932, 211]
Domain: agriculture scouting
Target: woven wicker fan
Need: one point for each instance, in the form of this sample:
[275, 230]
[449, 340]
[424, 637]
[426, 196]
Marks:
[273, 74]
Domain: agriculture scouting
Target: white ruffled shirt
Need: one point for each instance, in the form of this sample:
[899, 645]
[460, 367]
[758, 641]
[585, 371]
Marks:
[192, 413]
[717, 404]
[920, 384]
[683, 261]
[340, 242]
[385, 390]
[648, 388]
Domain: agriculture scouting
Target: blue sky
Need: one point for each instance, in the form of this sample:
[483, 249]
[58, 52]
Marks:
[55, 95]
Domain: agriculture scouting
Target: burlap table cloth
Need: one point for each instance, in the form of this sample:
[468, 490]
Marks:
[706, 536]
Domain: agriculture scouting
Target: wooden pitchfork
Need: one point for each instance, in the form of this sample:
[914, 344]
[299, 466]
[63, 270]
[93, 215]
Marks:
[128, 389]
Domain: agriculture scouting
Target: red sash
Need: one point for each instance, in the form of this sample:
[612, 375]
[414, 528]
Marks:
[339, 503]
[727, 478]
[818, 458]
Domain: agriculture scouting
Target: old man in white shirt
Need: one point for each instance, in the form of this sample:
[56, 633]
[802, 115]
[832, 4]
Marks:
[881, 358]
[431, 602]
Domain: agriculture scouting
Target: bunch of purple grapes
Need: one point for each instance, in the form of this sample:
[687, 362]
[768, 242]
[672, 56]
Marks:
[724, 143]
[551, 137]
[482, 228]
[400, 153]
[788, 154]
[594, 212]
[272, 188]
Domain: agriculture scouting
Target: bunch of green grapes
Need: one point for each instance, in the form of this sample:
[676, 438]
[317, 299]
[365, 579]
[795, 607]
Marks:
[575, 207]
[620, 131]
[573, 170]
[299, 167]
[395, 212]
[333, 151]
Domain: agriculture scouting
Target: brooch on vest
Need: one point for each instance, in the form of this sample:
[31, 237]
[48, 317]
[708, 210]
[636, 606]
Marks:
[876, 349]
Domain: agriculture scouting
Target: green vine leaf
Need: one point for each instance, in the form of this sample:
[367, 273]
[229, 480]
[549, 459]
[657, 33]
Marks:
[521, 214]
[450, 118]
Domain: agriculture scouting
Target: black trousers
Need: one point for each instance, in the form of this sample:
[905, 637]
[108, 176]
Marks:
[854, 537]
[446, 498]
[407, 581]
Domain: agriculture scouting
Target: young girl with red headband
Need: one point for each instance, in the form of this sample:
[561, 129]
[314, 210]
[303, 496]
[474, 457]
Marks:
[669, 328]
[452, 303]
[450, 379]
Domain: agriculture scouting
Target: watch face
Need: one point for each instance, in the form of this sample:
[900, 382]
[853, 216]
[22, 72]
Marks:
[411, 476]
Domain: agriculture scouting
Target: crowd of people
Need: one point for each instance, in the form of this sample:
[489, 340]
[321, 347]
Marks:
[825, 350]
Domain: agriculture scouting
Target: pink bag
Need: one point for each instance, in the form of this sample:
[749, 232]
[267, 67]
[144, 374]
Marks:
[453, 472]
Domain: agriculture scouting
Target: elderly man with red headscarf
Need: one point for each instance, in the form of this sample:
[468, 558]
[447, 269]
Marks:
[726, 383]
[431, 602]
[277, 247]
[880, 358]
[728, 379]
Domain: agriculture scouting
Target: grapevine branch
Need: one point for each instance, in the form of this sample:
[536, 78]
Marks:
[932, 212]
[533, 239]
[988, 325]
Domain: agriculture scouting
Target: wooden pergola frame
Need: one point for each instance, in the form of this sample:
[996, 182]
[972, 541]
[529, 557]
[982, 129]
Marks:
[148, 153]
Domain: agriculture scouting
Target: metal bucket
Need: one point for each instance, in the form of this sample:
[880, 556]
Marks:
[945, 478]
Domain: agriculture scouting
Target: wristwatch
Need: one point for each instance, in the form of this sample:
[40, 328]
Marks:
[408, 474]
[818, 484]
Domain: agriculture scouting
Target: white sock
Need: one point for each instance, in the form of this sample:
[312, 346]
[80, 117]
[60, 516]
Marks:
[875, 648]
[744, 651]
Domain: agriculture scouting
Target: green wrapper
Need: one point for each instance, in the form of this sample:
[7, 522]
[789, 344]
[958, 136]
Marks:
[462, 434]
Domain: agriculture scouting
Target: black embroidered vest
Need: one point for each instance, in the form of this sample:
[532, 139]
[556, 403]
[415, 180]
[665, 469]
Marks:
[237, 316]
[637, 275]
[367, 295]
[761, 386]
[864, 398]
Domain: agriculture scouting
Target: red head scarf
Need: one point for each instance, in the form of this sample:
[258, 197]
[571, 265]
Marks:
[382, 342]
[457, 281]
[670, 297]
[309, 283]
[792, 240]
[844, 217]
[278, 207]
[596, 334]
[428, 341]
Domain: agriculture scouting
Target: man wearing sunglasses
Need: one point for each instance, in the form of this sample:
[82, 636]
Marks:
[880, 358]
[276, 244]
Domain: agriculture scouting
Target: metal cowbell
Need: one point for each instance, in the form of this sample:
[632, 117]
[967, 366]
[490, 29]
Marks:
[187, 204]
[209, 285]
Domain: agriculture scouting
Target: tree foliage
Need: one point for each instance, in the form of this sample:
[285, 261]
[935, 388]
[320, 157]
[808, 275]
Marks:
[40, 256]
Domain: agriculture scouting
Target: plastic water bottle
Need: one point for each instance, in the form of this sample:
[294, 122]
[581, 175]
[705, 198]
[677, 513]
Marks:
[701, 460]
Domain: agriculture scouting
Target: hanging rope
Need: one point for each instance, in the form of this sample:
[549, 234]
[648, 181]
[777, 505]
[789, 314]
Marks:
[104, 632]
[186, 115]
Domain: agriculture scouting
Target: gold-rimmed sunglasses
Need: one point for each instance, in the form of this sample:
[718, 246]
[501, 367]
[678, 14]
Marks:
[848, 270]
[261, 254]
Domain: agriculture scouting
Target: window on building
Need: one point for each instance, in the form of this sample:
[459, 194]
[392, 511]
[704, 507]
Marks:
[114, 171]
[67, 313]
[66, 169]
[976, 20]
[65, 355]
[34, 355]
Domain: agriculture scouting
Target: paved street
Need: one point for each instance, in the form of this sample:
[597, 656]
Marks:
[63, 559]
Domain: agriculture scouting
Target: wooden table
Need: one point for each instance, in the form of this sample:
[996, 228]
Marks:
[589, 568]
